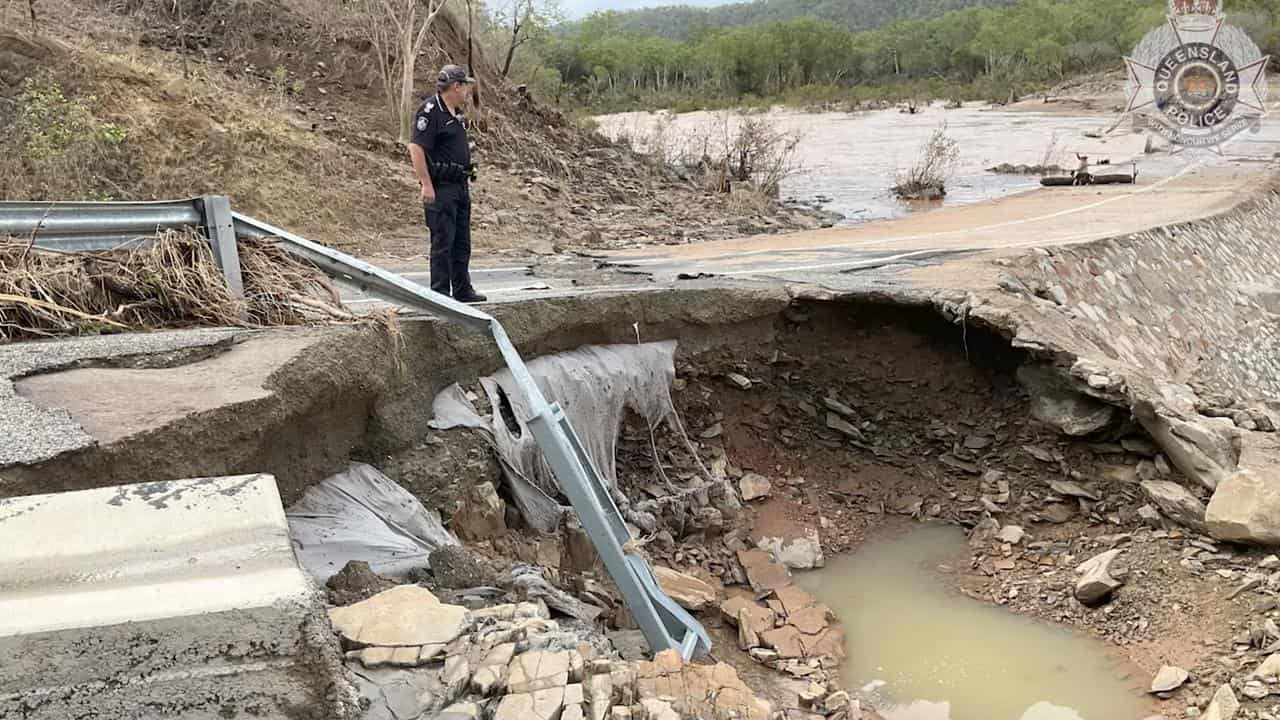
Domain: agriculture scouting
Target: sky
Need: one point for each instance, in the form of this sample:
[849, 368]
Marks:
[575, 9]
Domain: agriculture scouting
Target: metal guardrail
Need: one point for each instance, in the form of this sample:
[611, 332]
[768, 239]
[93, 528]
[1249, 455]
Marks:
[93, 226]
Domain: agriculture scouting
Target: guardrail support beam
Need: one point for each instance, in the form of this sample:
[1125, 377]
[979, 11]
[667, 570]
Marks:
[219, 226]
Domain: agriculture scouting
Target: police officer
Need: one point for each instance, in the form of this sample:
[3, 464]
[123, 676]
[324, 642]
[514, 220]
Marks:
[442, 161]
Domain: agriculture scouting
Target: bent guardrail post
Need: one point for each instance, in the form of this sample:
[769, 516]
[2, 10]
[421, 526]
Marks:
[665, 624]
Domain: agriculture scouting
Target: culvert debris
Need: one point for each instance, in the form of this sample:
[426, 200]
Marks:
[171, 281]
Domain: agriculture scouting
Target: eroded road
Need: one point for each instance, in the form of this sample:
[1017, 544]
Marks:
[840, 258]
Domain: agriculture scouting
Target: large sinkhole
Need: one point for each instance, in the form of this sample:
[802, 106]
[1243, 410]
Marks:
[892, 459]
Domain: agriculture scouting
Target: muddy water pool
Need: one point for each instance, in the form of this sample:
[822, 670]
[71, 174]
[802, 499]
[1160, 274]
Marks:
[849, 161]
[932, 654]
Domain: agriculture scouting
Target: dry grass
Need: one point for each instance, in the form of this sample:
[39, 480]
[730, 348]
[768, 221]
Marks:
[171, 281]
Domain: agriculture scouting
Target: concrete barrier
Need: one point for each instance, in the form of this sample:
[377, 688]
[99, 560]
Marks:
[161, 600]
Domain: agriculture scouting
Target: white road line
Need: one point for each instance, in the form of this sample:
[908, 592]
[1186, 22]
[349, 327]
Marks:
[924, 236]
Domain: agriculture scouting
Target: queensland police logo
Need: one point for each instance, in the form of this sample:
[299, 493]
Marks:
[1197, 81]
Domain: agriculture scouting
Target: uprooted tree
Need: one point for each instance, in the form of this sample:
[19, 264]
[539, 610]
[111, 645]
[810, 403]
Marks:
[398, 31]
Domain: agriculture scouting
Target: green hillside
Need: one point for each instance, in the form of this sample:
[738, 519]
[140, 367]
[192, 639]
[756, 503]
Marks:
[680, 22]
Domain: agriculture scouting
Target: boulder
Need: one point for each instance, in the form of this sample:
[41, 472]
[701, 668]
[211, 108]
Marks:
[690, 592]
[1054, 403]
[482, 514]
[400, 619]
[1245, 509]
[754, 487]
[1205, 451]
[1168, 679]
[1096, 581]
[1177, 503]
[1223, 706]
[802, 553]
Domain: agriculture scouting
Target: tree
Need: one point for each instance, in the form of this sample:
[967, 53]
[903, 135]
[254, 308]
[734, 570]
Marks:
[525, 20]
[397, 30]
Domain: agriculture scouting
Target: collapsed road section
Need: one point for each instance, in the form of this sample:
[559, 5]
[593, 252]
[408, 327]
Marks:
[1071, 409]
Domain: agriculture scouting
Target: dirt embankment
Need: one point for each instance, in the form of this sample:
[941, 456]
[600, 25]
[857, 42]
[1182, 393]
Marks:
[278, 106]
[859, 415]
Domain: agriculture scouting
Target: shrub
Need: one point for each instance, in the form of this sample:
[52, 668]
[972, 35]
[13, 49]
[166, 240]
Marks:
[58, 149]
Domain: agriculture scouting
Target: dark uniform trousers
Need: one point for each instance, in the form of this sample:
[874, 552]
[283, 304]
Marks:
[449, 224]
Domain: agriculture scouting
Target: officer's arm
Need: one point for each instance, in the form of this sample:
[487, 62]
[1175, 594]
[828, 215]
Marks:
[419, 159]
[424, 140]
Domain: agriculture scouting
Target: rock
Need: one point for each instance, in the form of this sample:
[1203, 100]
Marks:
[1168, 679]
[739, 381]
[538, 671]
[1270, 562]
[983, 533]
[455, 677]
[836, 406]
[713, 432]
[1223, 706]
[1013, 534]
[1149, 516]
[836, 701]
[1268, 670]
[482, 515]
[793, 600]
[461, 711]
[811, 620]
[759, 617]
[844, 427]
[1097, 582]
[456, 567]
[754, 487]
[1177, 503]
[762, 572]
[1139, 446]
[1068, 488]
[1054, 403]
[1254, 690]
[803, 553]
[356, 582]
[540, 705]
[407, 615]
[1245, 509]
[492, 673]
[655, 709]
[786, 640]
[687, 590]
[977, 442]
[747, 636]
[599, 695]
[1203, 451]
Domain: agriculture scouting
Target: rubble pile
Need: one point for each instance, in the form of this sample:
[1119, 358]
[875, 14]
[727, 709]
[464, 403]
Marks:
[414, 656]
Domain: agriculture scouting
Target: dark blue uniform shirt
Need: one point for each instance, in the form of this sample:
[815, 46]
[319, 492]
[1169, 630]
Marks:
[441, 134]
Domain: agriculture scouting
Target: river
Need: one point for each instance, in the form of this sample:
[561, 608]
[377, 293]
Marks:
[848, 161]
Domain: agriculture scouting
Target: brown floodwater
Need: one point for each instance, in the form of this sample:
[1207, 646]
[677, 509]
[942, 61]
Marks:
[927, 653]
[848, 161]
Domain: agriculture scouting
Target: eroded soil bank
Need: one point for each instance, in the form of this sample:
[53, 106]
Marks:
[832, 420]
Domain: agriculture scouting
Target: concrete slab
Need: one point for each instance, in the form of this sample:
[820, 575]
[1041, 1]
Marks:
[36, 433]
[111, 404]
[169, 599]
